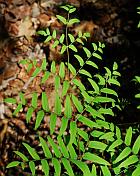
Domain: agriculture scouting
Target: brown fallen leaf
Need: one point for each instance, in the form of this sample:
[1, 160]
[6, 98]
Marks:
[86, 26]
[26, 28]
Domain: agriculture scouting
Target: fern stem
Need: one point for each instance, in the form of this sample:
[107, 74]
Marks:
[67, 43]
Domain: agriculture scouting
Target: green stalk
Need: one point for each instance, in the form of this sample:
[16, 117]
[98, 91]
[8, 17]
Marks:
[67, 44]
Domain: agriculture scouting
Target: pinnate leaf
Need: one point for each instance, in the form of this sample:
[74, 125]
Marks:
[13, 164]
[94, 158]
[31, 151]
[45, 167]
[62, 19]
[39, 118]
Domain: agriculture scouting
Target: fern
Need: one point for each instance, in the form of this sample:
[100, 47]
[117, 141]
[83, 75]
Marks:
[85, 139]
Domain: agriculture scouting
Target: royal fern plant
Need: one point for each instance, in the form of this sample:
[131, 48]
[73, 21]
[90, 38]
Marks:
[86, 144]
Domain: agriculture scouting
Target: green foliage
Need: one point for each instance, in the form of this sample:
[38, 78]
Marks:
[138, 8]
[137, 80]
[85, 139]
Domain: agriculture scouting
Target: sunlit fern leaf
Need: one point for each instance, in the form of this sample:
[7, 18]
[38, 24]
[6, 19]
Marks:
[129, 161]
[115, 144]
[57, 108]
[10, 100]
[73, 131]
[128, 136]
[125, 153]
[73, 21]
[63, 147]
[100, 50]
[109, 136]
[94, 85]
[67, 166]
[109, 91]
[80, 34]
[80, 59]
[39, 118]
[13, 164]
[94, 158]
[36, 72]
[113, 81]
[53, 67]
[18, 109]
[57, 82]
[63, 49]
[79, 84]
[81, 146]
[32, 167]
[107, 111]
[53, 119]
[65, 8]
[22, 98]
[31, 151]
[44, 64]
[87, 121]
[62, 70]
[34, 100]
[94, 171]
[103, 123]
[45, 77]
[68, 108]
[72, 69]
[45, 148]
[96, 133]
[61, 39]
[55, 44]
[54, 147]
[101, 99]
[94, 112]
[44, 100]
[47, 31]
[105, 171]
[72, 39]
[48, 39]
[62, 19]
[97, 56]
[54, 34]
[21, 155]
[94, 46]
[65, 87]
[45, 167]
[57, 166]
[97, 145]
[29, 114]
[86, 97]
[73, 48]
[83, 134]
[87, 51]
[136, 145]
[77, 103]
[118, 133]
[72, 10]
[91, 63]
[79, 41]
[82, 166]
[41, 32]
[72, 151]
[101, 79]
[136, 171]
[64, 124]
[86, 73]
